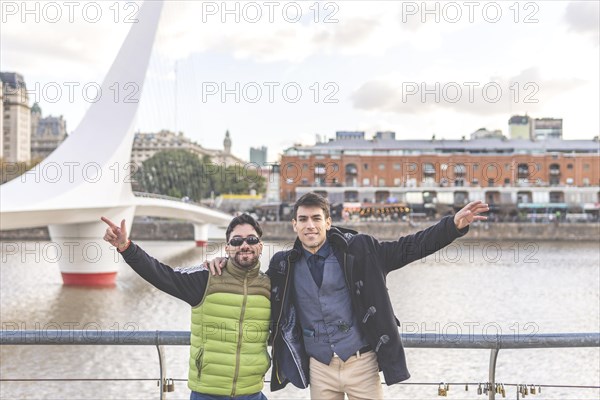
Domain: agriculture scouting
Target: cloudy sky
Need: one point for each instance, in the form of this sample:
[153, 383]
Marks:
[279, 73]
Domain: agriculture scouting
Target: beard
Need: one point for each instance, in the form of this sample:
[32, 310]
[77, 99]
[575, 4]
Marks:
[246, 259]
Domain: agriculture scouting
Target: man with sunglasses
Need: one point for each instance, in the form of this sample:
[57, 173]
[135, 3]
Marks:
[230, 312]
[333, 321]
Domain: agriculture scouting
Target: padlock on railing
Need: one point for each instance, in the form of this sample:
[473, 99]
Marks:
[169, 385]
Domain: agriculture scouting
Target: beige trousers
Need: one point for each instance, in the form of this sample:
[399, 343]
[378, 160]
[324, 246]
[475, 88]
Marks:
[358, 377]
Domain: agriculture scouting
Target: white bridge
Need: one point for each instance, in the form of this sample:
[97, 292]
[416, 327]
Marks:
[87, 176]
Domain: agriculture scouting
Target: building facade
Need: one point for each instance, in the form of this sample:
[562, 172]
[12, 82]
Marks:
[520, 127]
[47, 133]
[547, 128]
[145, 145]
[258, 155]
[444, 171]
[16, 115]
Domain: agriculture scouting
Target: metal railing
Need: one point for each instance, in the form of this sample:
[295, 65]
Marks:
[494, 343]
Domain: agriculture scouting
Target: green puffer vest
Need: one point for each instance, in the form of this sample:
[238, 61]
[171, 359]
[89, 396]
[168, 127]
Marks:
[230, 327]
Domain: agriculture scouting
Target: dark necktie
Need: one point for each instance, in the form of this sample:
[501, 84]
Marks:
[316, 263]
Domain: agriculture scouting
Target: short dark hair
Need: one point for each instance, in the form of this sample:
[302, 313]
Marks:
[312, 199]
[241, 220]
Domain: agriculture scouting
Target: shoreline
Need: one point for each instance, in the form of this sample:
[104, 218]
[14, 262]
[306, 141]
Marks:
[174, 230]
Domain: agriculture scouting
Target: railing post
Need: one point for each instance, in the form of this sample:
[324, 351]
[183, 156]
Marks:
[492, 373]
[163, 371]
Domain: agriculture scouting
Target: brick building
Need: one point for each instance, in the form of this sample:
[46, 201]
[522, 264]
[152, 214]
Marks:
[353, 169]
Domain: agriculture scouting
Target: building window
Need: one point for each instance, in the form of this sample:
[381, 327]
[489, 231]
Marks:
[351, 175]
[366, 182]
[366, 167]
[397, 181]
[397, 166]
[554, 174]
[381, 181]
[569, 166]
[428, 173]
[351, 196]
[382, 167]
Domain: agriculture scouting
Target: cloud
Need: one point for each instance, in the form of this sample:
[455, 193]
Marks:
[584, 17]
[348, 29]
[497, 95]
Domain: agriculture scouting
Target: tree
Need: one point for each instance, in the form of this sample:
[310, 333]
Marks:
[180, 173]
[11, 170]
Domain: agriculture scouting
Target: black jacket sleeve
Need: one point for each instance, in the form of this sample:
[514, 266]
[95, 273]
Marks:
[187, 284]
[396, 254]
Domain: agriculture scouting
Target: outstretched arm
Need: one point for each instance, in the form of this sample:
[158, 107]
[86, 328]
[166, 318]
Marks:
[188, 284]
[407, 249]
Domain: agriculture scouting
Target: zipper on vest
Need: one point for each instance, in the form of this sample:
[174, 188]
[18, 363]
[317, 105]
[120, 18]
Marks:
[240, 337]
[199, 358]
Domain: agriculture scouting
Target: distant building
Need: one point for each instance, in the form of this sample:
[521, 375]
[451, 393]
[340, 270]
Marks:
[385, 135]
[258, 155]
[349, 135]
[373, 171]
[483, 133]
[145, 145]
[273, 185]
[227, 143]
[46, 133]
[224, 157]
[16, 127]
[547, 128]
[525, 127]
[1, 120]
[520, 127]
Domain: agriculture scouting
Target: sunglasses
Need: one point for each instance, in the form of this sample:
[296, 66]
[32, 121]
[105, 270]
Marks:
[237, 241]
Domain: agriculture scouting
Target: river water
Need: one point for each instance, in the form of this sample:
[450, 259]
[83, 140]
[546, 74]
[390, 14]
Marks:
[470, 287]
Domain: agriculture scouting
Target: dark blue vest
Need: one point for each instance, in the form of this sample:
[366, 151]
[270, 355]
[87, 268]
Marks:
[325, 313]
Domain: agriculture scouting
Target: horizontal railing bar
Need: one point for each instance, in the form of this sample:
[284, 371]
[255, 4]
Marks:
[182, 338]
[511, 341]
[267, 381]
[94, 337]
[76, 379]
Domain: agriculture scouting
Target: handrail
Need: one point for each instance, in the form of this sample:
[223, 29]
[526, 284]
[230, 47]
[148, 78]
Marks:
[410, 340]
[415, 340]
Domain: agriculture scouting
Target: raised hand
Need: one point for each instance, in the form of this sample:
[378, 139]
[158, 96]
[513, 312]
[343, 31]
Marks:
[470, 213]
[117, 236]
